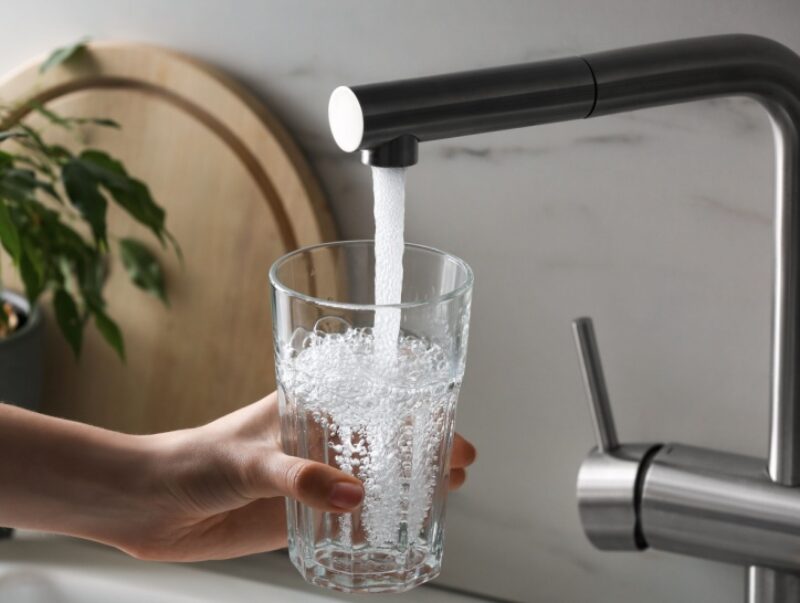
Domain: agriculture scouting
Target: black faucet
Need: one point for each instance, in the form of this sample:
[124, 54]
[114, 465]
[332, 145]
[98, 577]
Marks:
[689, 500]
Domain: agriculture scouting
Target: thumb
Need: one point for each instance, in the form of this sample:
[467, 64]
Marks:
[315, 484]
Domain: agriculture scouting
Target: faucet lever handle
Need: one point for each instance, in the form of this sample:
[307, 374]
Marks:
[595, 384]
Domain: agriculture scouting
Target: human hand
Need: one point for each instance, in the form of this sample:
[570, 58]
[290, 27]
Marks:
[218, 490]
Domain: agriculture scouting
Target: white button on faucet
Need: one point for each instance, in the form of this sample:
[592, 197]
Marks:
[346, 119]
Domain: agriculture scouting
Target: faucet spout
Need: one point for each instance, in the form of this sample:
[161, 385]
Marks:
[369, 118]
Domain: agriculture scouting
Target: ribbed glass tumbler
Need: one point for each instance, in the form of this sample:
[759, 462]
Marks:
[379, 407]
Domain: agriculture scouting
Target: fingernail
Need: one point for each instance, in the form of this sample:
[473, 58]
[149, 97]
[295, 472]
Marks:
[346, 495]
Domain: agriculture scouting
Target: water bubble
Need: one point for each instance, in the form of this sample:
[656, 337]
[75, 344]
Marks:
[331, 324]
[298, 341]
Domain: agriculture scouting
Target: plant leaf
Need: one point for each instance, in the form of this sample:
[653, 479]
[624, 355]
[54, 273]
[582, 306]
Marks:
[34, 254]
[58, 152]
[24, 182]
[98, 121]
[6, 160]
[138, 202]
[62, 55]
[69, 122]
[18, 184]
[143, 268]
[8, 233]
[6, 134]
[83, 191]
[176, 246]
[92, 273]
[107, 168]
[33, 137]
[68, 319]
[110, 331]
[30, 276]
[131, 194]
[52, 116]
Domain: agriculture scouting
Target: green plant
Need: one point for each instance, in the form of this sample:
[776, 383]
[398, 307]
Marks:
[53, 206]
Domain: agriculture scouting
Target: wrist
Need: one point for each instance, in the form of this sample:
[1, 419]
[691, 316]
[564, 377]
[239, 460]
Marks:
[108, 499]
[66, 477]
[134, 496]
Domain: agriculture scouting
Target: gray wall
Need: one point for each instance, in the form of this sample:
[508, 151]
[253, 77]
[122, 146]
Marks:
[656, 223]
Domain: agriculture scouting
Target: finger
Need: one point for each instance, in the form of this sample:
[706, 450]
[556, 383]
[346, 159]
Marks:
[315, 484]
[463, 454]
[457, 478]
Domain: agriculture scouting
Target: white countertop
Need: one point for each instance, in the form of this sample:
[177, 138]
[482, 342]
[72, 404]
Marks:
[36, 568]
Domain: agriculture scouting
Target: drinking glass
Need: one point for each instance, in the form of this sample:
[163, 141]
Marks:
[384, 415]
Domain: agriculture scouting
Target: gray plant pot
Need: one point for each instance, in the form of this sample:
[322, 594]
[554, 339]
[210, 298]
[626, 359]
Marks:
[22, 356]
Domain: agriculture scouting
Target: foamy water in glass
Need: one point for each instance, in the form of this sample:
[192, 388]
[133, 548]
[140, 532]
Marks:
[387, 424]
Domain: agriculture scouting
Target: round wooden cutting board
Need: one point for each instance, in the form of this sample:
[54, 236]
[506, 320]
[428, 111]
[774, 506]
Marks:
[237, 193]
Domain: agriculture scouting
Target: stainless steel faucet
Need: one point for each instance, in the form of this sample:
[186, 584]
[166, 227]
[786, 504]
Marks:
[688, 500]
